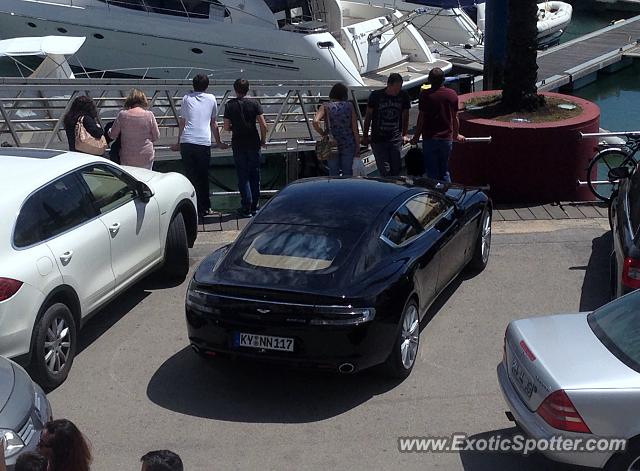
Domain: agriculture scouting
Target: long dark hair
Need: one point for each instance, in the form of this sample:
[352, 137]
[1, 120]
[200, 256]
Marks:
[69, 448]
[81, 106]
[339, 92]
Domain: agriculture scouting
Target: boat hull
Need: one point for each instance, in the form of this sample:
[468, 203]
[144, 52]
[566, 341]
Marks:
[175, 49]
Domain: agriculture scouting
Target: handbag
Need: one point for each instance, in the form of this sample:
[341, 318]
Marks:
[86, 143]
[326, 147]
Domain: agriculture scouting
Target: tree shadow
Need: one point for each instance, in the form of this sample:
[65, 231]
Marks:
[595, 288]
[493, 460]
[238, 390]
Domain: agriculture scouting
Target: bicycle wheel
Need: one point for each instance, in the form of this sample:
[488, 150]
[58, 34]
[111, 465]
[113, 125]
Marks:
[600, 184]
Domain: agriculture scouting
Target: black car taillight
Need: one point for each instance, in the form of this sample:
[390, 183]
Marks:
[198, 300]
[342, 315]
[631, 273]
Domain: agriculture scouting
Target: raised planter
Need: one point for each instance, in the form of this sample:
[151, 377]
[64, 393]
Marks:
[527, 162]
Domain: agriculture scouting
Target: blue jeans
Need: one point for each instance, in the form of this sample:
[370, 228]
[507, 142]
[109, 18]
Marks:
[248, 170]
[388, 157]
[436, 154]
[342, 161]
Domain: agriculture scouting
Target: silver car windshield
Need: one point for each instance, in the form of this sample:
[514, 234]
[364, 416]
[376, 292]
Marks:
[617, 326]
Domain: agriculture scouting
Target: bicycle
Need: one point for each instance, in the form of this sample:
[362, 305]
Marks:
[609, 156]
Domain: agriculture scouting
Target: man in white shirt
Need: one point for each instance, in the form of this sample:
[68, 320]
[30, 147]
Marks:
[197, 123]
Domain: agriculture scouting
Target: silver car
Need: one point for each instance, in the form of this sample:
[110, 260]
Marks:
[24, 409]
[578, 376]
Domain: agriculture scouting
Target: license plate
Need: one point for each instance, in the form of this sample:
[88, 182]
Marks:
[521, 379]
[263, 342]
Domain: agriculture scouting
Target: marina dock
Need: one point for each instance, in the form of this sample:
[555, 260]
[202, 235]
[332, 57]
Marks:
[576, 63]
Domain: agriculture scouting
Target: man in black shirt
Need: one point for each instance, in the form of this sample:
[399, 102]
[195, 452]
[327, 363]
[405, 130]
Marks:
[240, 117]
[388, 117]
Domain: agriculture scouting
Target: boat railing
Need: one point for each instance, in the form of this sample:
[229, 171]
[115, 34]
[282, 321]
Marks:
[185, 73]
[32, 110]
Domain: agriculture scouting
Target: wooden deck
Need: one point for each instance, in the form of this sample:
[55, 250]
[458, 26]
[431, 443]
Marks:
[565, 65]
[580, 210]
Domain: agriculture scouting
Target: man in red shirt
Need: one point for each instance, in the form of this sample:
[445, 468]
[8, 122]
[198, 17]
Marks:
[438, 124]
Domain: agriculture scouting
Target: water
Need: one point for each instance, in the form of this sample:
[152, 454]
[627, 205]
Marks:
[618, 94]
[222, 177]
[586, 20]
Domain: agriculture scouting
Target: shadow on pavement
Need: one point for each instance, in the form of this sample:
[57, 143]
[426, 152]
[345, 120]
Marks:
[446, 294]
[493, 460]
[595, 287]
[244, 391]
[119, 307]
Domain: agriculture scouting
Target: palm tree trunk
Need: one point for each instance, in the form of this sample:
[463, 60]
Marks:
[521, 69]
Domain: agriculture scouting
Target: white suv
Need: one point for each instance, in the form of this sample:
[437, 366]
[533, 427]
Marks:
[77, 230]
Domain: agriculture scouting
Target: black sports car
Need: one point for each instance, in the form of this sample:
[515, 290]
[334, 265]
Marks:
[336, 273]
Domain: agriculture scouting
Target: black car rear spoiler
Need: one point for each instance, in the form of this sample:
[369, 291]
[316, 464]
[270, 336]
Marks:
[443, 187]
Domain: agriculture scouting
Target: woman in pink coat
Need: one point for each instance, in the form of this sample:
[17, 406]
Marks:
[137, 129]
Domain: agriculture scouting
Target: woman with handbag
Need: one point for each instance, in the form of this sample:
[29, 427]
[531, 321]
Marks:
[136, 129]
[341, 126]
[84, 133]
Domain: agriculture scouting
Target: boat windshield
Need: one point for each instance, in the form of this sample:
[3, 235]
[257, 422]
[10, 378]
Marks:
[186, 8]
[447, 3]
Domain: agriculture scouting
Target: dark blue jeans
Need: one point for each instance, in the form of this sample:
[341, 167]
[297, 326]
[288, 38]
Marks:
[388, 157]
[436, 154]
[248, 170]
[343, 160]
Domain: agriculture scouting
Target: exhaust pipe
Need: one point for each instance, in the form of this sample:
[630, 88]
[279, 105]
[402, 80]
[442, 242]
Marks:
[346, 368]
[195, 348]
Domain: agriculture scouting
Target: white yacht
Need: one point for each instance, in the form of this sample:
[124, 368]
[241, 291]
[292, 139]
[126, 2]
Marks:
[258, 39]
[41, 57]
[462, 22]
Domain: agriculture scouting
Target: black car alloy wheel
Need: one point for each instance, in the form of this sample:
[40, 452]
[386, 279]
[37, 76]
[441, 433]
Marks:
[405, 350]
[483, 243]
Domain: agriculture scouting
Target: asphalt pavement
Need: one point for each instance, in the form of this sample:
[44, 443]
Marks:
[136, 386]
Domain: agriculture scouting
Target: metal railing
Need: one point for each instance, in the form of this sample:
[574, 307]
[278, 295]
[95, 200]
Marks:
[601, 135]
[32, 110]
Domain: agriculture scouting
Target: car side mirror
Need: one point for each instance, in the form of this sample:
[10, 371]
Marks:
[143, 191]
[619, 173]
